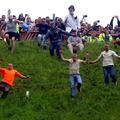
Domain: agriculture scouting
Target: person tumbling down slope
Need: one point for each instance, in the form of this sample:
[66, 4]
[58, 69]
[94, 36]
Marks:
[8, 78]
[74, 65]
[108, 65]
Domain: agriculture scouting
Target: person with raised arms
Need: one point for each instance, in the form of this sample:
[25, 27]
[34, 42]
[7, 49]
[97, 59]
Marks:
[74, 65]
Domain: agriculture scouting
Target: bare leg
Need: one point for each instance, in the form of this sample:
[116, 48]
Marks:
[8, 40]
[13, 44]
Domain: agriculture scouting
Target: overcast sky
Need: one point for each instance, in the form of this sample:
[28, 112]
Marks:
[102, 10]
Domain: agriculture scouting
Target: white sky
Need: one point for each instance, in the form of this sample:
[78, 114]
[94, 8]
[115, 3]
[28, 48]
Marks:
[102, 10]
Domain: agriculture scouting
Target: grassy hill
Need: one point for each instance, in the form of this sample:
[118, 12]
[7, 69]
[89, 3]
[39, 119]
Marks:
[49, 86]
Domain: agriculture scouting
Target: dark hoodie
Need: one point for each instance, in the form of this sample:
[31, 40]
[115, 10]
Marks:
[55, 35]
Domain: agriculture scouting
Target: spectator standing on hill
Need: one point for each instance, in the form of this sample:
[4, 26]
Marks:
[84, 36]
[95, 27]
[108, 65]
[93, 37]
[8, 77]
[43, 28]
[11, 31]
[74, 42]
[72, 21]
[74, 65]
[54, 34]
[116, 26]
[105, 36]
[21, 18]
[26, 26]
[59, 24]
[2, 33]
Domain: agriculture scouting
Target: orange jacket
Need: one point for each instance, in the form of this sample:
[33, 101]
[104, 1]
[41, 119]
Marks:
[8, 75]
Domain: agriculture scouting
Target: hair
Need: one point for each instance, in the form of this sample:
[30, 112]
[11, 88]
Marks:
[29, 17]
[107, 44]
[3, 15]
[43, 19]
[51, 23]
[75, 54]
[93, 32]
[60, 19]
[10, 16]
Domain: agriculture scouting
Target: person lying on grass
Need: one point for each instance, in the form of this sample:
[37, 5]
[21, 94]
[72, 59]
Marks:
[74, 65]
[8, 78]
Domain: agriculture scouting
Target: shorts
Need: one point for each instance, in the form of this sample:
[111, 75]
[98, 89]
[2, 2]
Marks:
[11, 34]
[5, 86]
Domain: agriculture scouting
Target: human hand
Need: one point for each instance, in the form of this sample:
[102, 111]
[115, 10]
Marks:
[76, 45]
[27, 77]
[87, 53]
[1, 60]
[42, 43]
[117, 17]
[90, 62]
[66, 18]
[60, 50]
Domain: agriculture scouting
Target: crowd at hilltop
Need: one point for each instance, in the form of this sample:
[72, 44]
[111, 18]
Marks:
[85, 31]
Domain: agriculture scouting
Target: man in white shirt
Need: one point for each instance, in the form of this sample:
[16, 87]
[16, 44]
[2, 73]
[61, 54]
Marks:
[108, 65]
[72, 21]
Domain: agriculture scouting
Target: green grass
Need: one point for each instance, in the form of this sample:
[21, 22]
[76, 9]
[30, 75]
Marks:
[49, 86]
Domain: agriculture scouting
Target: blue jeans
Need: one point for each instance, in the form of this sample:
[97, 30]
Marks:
[41, 37]
[73, 79]
[106, 70]
[53, 45]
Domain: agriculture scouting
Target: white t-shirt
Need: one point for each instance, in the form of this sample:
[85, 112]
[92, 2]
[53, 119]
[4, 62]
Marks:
[74, 66]
[107, 57]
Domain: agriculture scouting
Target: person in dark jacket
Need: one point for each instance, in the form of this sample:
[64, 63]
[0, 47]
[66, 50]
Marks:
[54, 34]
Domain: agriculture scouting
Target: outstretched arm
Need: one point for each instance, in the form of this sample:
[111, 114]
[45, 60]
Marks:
[24, 77]
[86, 61]
[97, 60]
[118, 57]
[61, 56]
[2, 26]
[1, 60]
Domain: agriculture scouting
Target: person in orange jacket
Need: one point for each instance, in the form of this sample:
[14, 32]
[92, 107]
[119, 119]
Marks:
[8, 77]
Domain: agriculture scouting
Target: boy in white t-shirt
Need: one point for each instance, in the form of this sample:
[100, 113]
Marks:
[108, 65]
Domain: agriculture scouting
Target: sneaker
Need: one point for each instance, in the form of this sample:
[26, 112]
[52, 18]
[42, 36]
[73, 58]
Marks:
[72, 97]
[79, 89]
[44, 48]
[9, 48]
[115, 83]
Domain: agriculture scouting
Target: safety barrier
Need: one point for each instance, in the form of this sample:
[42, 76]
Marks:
[28, 36]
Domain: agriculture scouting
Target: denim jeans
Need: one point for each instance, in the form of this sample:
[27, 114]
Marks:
[106, 70]
[53, 45]
[73, 79]
[41, 37]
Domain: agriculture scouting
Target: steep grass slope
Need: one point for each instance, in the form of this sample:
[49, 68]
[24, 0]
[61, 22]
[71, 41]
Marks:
[50, 89]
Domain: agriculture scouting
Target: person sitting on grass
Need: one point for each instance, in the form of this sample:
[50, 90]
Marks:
[8, 78]
[74, 65]
[54, 34]
[74, 42]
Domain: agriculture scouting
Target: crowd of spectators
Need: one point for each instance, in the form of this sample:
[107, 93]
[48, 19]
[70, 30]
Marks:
[85, 31]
